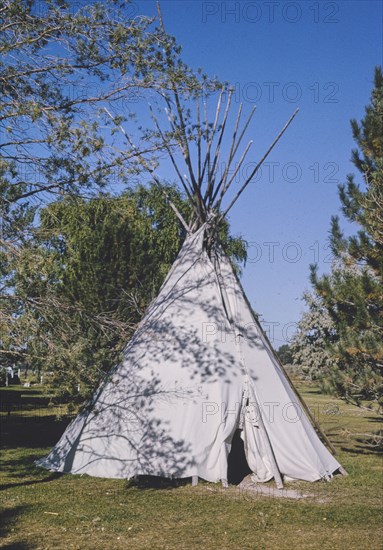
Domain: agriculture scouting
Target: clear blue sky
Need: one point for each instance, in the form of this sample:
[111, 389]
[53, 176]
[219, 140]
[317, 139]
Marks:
[320, 57]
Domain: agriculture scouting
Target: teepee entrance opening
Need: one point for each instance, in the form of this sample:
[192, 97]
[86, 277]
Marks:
[237, 466]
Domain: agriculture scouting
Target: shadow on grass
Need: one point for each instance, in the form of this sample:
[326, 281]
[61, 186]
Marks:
[367, 444]
[156, 482]
[23, 442]
[310, 391]
[32, 431]
[20, 545]
[378, 419]
[8, 519]
[24, 439]
[15, 399]
[51, 477]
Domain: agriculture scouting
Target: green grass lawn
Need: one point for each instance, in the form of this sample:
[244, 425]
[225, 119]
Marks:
[41, 510]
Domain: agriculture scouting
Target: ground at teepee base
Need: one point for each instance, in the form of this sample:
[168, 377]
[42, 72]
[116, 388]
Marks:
[41, 510]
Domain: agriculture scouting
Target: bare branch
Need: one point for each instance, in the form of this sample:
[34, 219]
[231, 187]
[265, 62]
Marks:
[259, 164]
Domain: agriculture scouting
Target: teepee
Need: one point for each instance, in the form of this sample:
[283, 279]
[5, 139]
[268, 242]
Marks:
[199, 369]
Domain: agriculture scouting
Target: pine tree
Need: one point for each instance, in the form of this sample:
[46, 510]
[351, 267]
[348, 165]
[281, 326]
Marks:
[352, 294]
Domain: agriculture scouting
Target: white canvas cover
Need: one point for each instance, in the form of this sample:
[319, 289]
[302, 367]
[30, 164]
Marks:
[197, 368]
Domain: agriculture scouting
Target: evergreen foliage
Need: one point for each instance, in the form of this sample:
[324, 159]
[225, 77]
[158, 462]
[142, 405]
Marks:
[341, 337]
